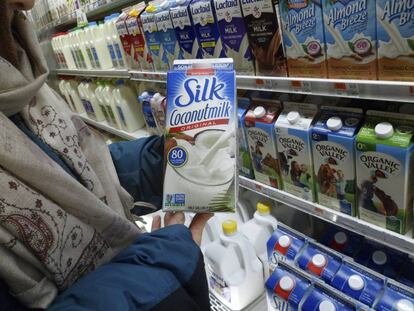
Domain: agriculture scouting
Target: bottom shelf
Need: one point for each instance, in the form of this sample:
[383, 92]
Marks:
[121, 133]
[258, 305]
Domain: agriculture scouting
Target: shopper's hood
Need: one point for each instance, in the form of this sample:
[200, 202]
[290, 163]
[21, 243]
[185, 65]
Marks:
[18, 86]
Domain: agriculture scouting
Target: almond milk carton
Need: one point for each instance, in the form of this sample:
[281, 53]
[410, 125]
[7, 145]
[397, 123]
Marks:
[259, 125]
[303, 37]
[333, 149]
[350, 34]
[395, 33]
[384, 164]
[294, 148]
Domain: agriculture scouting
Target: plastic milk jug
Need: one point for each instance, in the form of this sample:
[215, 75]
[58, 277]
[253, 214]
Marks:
[88, 58]
[258, 231]
[100, 45]
[80, 52]
[72, 87]
[145, 100]
[89, 89]
[102, 103]
[67, 52]
[106, 29]
[86, 105]
[65, 92]
[91, 45]
[127, 107]
[234, 272]
[116, 41]
[110, 105]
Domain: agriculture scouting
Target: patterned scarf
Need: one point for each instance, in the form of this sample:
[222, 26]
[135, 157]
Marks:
[53, 229]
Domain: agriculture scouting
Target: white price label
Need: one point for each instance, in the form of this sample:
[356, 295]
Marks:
[265, 84]
[411, 91]
[301, 86]
[81, 18]
[135, 75]
[346, 89]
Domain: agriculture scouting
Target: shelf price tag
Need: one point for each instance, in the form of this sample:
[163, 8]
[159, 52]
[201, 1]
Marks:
[135, 75]
[301, 86]
[411, 91]
[346, 89]
[265, 84]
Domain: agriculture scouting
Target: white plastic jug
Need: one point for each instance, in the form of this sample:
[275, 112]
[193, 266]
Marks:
[102, 103]
[67, 52]
[258, 231]
[99, 113]
[110, 105]
[157, 103]
[84, 99]
[81, 55]
[127, 107]
[116, 41]
[106, 29]
[82, 46]
[234, 272]
[100, 46]
[90, 46]
[65, 93]
[72, 87]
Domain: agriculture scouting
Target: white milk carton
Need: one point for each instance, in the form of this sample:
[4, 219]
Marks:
[303, 37]
[350, 34]
[234, 36]
[395, 35]
[200, 143]
[294, 148]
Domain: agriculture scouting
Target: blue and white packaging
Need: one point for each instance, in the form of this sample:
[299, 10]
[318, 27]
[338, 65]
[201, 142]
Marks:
[206, 28]
[358, 283]
[244, 160]
[320, 262]
[343, 241]
[396, 298]
[167, 34]
[200, 130]
[184, 29]
[234, 36]
[145, 100]
[320, 299]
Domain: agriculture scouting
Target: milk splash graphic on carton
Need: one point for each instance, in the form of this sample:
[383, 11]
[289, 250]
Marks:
[200, 139]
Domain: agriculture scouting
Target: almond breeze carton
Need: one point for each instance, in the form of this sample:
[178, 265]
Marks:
[294, 148]
[384, 164]
[265, 36]
[184, 29]
[303, 38]
[395, 33]
[259, 125]
[350, 34]
[333, 148]
[200, 130]
[234, 36]
[206, 28]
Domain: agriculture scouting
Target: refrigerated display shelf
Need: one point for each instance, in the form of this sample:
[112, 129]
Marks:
[123, 134]
[111, 73]
[258, 305]
[396, 91]
[404, 243]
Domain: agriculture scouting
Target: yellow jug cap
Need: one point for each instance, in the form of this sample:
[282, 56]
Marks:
[229, 227]
[133, 13]
[150, 8]
[263, 209]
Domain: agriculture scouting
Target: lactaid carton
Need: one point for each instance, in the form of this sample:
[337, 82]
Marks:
[244, 160]
[384, 164]
[200, 130]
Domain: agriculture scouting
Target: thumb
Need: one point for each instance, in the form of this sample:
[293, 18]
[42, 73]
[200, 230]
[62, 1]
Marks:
[198, 224]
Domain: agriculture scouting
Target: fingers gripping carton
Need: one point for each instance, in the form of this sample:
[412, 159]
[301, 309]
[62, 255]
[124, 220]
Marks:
[200, 143]
[294, 148]
[384, 163]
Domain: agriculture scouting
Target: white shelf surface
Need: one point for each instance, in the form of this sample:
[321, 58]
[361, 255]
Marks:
[123, 134]
[396, 91]
[404, 243]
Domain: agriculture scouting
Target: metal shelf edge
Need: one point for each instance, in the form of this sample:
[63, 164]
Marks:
[114, 73]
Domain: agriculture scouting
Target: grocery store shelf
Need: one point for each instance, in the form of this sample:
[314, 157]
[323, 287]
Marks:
[111, 73]
[403, 243]
[159, 77]
[258, 305]
[123, 134]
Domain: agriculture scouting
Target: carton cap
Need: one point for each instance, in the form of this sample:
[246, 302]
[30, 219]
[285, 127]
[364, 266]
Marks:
[284, 241]
[384, 130]
[179, 2]
[404, 305]
[164, 5]
[259, 112]
[263, 209]
[334, 123]
[355, 282]
[229, 227]
[286, 283]
[327, 305]
[340, 238]
[319, 260]
[379, 258]
[293, 117]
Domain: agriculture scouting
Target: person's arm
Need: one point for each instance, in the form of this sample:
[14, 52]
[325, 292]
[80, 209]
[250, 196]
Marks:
[162, 270]
[140, 165]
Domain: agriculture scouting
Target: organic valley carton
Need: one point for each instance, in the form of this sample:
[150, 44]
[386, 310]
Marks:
[234, 36]
[350, 34]
[200, 132]
[333, 148]
[384, 164]
[184, 29]
[206, 28]
[265, 37]
[303, 38]
[395, 33]
[259, 125]
[294, 148]
[245, 163]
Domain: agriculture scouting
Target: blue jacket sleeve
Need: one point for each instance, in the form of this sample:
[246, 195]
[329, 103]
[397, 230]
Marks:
[161, 271]
[140, 165]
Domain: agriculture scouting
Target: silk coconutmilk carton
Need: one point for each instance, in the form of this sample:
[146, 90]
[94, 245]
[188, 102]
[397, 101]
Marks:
[200, 129]
[350, 34]
[233, 35]
[333, 148]
[265, 37]
[384, 164]
[259, 125]
[395, 33]
[303, 38]
[294, 148]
